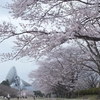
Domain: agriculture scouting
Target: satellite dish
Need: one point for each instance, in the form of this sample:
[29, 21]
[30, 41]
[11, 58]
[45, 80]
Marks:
[15, 81]
[25, 83]
[11, 75]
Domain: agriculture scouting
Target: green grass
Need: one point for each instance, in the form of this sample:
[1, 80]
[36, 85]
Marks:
[87, 97]
[90, 97]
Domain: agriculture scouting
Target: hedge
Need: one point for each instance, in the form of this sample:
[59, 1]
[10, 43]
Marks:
[89, 91]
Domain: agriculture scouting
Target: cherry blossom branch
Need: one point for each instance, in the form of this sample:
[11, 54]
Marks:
[86, 37]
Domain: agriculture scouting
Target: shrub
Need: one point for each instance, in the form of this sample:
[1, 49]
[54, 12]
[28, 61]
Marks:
[89, 91]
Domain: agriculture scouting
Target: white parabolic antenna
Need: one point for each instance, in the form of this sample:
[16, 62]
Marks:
[25, 83]
[11, 75]
[15, 81]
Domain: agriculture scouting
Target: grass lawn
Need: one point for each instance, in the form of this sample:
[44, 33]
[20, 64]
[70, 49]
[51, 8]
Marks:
[87, 97]
[90, 97]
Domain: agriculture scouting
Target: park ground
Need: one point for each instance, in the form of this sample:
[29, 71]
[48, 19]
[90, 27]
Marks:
[87, 97]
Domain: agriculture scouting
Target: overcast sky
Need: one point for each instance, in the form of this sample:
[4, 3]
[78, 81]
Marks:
[23, 68]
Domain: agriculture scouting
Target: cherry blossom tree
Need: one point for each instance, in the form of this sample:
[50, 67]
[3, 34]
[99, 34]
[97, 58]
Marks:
[91, 59]
[91, 80]
[91, 55]
[59, 71]
[49, 23]
[80, 56]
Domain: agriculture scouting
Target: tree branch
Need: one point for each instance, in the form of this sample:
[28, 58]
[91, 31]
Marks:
[85, 37]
